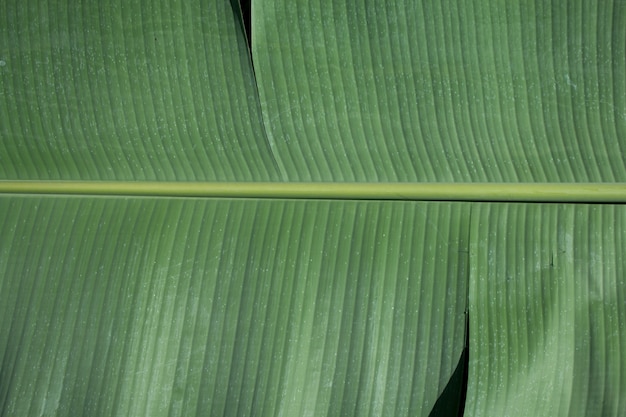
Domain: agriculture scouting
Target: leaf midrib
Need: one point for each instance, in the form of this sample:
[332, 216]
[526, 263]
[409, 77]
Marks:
[495, 192]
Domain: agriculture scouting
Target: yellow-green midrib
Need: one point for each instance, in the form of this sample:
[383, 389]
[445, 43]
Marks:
[558, 192]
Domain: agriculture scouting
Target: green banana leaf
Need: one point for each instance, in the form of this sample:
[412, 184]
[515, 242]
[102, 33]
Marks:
[402, 90]
[128, 91]
[197, 307]
[130, 305]
[547, 297]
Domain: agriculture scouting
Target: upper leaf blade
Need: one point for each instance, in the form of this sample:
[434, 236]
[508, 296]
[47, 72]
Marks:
[128, 91]
[480, 91]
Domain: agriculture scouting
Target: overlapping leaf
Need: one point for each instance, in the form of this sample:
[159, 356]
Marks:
[403, 90]
[547, 308]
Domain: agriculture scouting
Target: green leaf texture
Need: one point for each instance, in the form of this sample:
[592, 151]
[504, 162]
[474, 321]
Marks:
[498, 91]
[405, 90]
[548, 310]
[269, 307]
[139, 90]
[229, 307]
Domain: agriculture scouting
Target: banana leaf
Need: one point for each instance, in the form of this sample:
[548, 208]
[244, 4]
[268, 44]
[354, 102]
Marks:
[128, 91]
[547, 297]
[319, 305]
[472, 91]
[197, 307]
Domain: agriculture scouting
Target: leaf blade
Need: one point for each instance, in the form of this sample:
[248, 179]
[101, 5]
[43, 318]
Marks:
[473, 92]
[129, 92]
[546, 293]
[229, 307]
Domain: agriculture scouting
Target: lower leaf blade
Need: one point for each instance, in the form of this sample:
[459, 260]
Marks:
[228, 307]
[547, 291]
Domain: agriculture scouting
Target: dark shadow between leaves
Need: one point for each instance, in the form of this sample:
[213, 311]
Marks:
[451, 402]
[243, 10]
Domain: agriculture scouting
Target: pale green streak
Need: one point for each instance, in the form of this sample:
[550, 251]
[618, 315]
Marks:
[547, 192]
